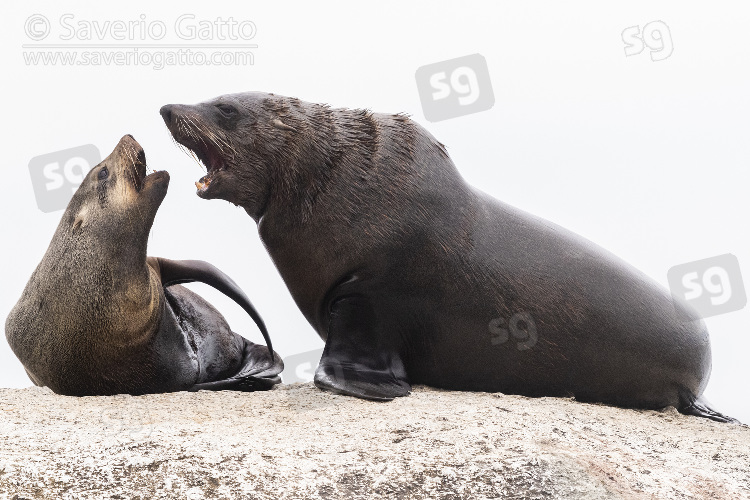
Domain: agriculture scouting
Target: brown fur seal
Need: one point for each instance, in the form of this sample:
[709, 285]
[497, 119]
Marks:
[98, 317]
[412, 276]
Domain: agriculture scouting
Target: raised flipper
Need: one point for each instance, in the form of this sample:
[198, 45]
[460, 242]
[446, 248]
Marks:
[259, 372]
[701, 408]
[176, 272]
[357, 360]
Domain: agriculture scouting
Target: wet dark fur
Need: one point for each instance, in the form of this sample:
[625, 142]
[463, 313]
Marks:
[400, 265]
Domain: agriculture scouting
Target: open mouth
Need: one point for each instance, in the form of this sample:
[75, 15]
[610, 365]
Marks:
[205, 152]
[211, 159]
[137, 170]
[209, 156]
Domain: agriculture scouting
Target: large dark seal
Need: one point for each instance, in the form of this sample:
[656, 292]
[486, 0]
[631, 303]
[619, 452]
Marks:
[98, 317]
[412, 276]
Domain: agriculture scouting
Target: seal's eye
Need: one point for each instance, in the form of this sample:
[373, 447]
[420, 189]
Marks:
[226, 110]
[103, 173]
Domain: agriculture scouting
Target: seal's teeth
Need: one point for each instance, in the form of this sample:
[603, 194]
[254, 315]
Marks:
[203, 183]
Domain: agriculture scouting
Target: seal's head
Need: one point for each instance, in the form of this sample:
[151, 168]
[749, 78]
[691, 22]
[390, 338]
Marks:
[250, 144]
[117, 202]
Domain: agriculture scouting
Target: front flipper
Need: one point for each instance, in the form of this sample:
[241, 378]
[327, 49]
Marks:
[360, 358]
[259, 372]
[176, 272]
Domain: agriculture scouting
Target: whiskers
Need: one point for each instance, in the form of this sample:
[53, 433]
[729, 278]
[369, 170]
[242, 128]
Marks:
[182, 131]
[191, 130]
[131, 174]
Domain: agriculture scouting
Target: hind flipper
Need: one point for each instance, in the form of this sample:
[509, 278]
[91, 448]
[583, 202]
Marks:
[259, 372]
[701, 408]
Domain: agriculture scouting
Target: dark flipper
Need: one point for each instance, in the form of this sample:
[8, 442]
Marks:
[701, 408]
[175, 272]
[259, 372]
[356, 361]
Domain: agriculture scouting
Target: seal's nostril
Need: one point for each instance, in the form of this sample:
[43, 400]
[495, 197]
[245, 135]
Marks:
[166, 113]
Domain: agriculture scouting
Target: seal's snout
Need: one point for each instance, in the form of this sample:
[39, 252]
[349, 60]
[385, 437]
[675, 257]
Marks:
[129, 144]
[132, 151]
[166, 113]
[133, 159]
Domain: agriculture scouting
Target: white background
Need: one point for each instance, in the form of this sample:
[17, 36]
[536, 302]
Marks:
[648, 159]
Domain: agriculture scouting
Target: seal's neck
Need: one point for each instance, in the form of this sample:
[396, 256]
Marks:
[348, 163]
[105, 281]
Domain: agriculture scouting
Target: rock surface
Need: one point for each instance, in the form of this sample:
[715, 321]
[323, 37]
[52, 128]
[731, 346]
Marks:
[298, 442]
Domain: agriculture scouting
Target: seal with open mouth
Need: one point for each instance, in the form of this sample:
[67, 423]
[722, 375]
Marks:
[99, 317]
[410, 275]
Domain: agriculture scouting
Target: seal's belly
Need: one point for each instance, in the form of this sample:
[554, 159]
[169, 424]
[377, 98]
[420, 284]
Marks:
[534, 309]
[215, 351]
[543, 349]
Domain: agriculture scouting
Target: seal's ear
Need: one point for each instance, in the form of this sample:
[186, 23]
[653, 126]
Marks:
[79, 220]
[281, 125]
